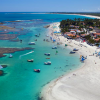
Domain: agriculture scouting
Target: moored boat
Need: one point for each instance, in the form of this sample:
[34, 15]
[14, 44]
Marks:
[47, 63]
[30, 60]
[47, 58]
[72, 52]
[10, 56]
[54, 47]
[47, 54]
[35, 39]
[47, 35]
[75, 49]
[36, 35]
[32, 43]
[36, 70]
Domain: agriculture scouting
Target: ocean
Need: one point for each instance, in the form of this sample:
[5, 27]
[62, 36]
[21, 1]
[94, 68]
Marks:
[19, 81]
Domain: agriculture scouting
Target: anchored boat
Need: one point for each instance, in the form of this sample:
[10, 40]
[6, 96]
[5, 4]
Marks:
[54, 47]
[47, 63]
[47, 54]
[47, 58]
[10, 56]
[36, 70]
[36, 35]
[72, 52]
[32, 43]
[30, 60]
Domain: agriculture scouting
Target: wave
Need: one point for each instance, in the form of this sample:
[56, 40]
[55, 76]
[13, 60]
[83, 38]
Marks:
[25, 54]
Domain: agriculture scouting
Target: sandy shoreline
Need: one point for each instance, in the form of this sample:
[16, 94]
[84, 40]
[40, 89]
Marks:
[87, 16]
[81, 84]
[92, 16]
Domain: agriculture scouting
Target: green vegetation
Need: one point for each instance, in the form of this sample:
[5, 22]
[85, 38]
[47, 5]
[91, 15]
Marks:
[65, 25]
[80, 24]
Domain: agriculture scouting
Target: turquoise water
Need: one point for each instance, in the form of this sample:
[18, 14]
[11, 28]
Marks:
[20, 82]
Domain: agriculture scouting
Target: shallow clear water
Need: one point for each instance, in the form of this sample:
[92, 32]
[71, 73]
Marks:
[20, 82]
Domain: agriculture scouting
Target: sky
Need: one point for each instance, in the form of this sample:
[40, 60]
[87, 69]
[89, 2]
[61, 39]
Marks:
[49, 5]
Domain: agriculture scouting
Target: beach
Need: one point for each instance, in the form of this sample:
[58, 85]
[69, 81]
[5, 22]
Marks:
[81, 84]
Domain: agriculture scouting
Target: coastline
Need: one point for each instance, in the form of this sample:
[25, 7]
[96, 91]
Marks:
[92, 16]
[87, 16]
[81, 84]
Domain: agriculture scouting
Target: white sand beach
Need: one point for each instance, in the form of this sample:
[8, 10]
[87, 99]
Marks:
[92, 16]
[81, 84]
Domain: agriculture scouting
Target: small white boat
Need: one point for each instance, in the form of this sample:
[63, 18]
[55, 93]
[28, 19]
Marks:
[36, 70]
[47, 35]
[54, 47]
[75, 49]
[72, 52]
[47, 54]
[30, 60]
[10, 56]
[47, 63]
[32, 43]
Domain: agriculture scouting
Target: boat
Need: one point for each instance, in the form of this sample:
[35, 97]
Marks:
[47, 58]
[30, 60]
[47, 35]
[54, 47]
[72, 52]
[36, 35]
[36, 70]
[10, 56]
[32, 43]
[35, 39]
[65, 45]
[47, 54]
[20, 41]
[47, 63]
[75, 49]
[47, 40]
